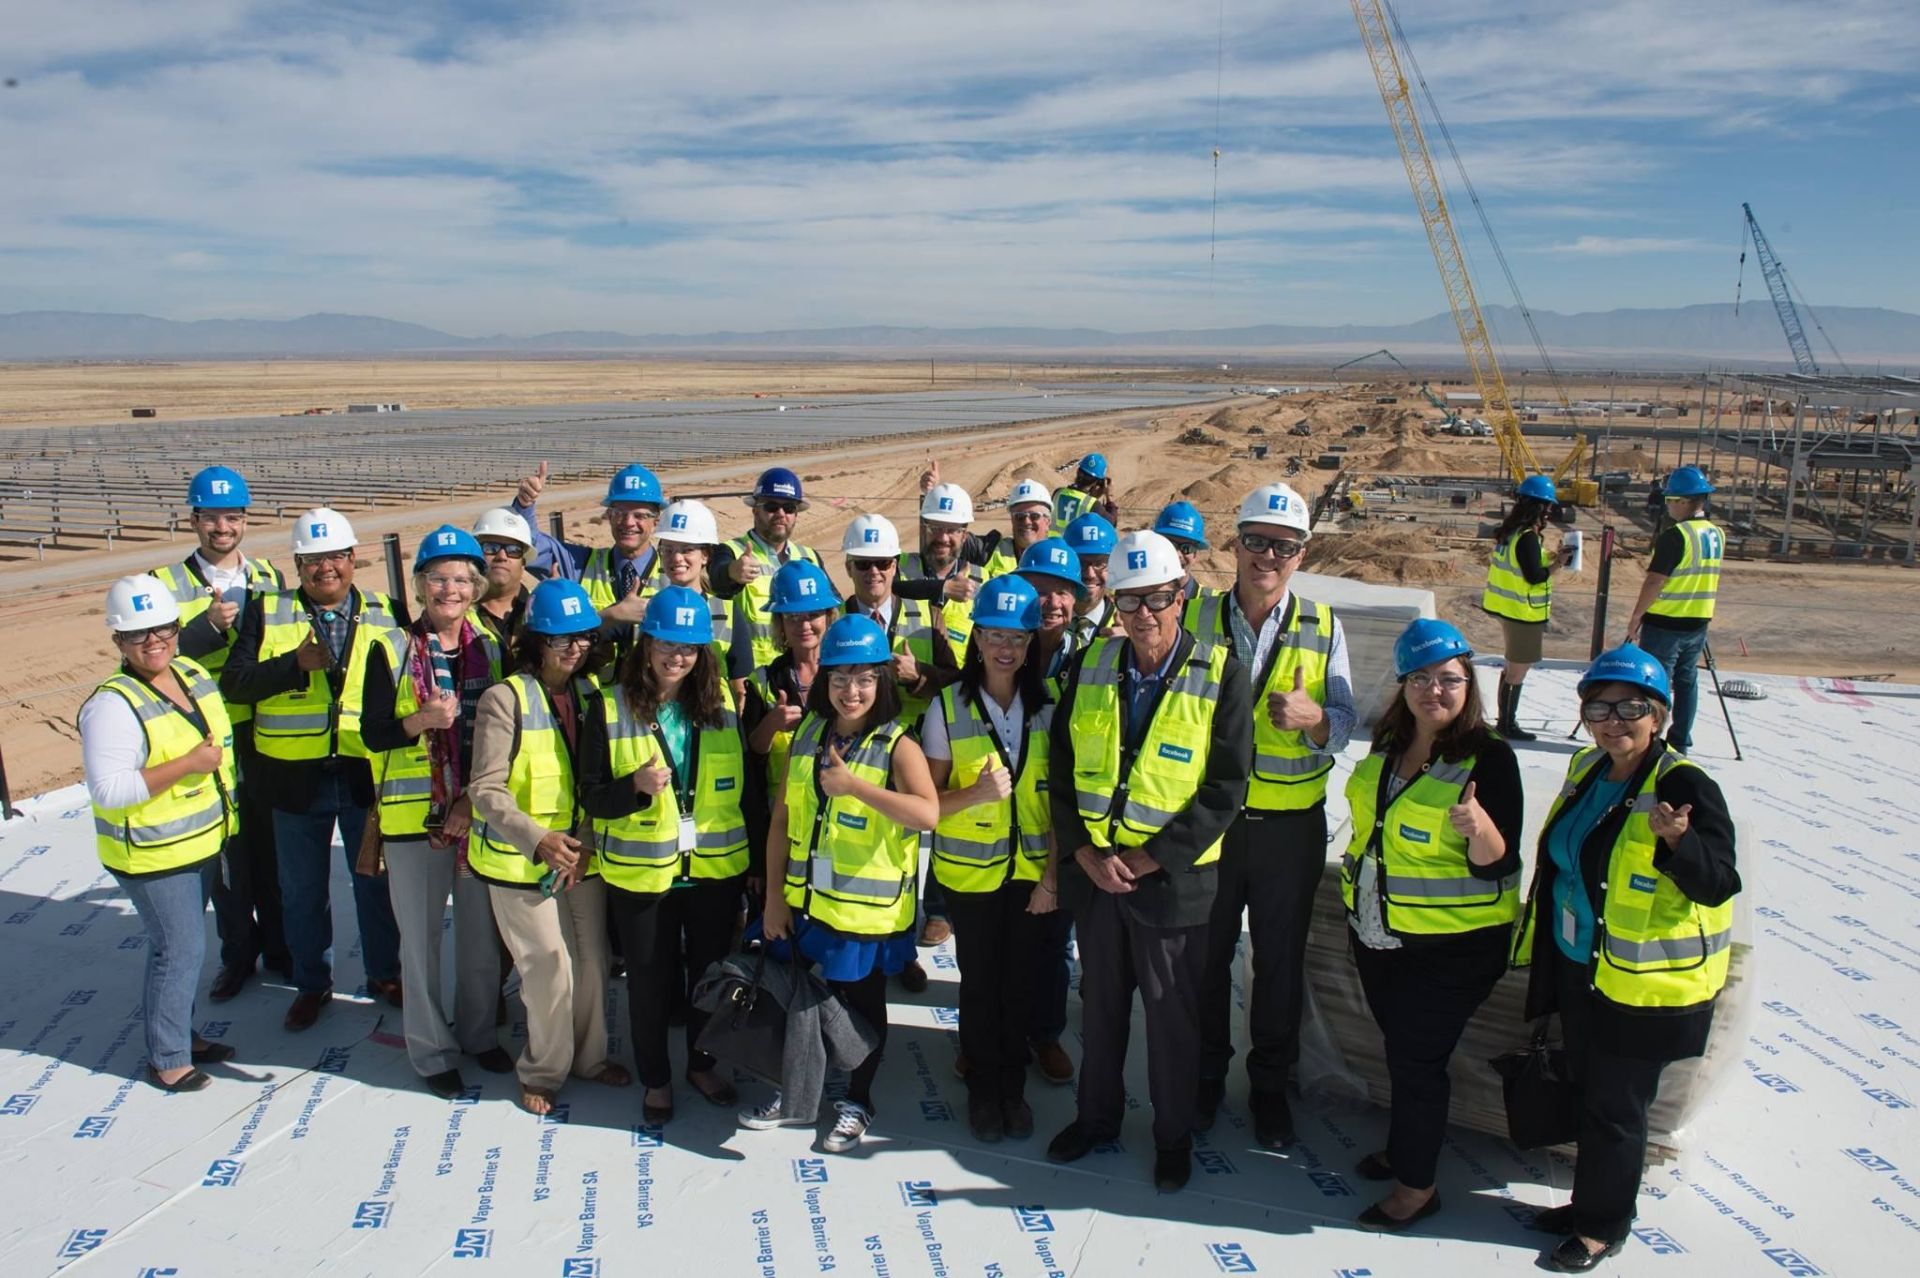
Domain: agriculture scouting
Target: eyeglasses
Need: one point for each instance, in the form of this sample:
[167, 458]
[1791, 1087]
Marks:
[1279, 547]
[870, 565]
[1032, 516]
[448, 583]
[628, 511]
[319, 557]
[1424, 682]
[1186, 549]
[668, 649]
[560, 643]
[780, 507]
[165, 633]
[511, 549]
[996, 637]
[1158, 601]
[1626, 711]
[863, 680]
[240, 516]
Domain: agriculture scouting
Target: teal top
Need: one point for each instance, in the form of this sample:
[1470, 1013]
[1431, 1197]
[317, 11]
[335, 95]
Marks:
[1573, 911]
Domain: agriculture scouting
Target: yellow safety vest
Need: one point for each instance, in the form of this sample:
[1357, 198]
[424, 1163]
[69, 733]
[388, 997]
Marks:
[910, 630]
[598, 580]
[847, 865]
[1127, 797]
[194, 596]
[190, 820]
[755, 599]
[1003, 560]
[782, 743]
[1509, 594]
[1288, 774]
[403, 778]
[311, 722]
[541, 781]
[956, 616]
[1420, 861]
[1693, 585]
[1653, 946]
[642, 852]
[973, 849]
[1069, 504]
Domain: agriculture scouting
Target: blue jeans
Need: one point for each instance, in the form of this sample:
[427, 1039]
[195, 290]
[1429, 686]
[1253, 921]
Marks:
[173, 909]
[1679, 651]
[302, 840]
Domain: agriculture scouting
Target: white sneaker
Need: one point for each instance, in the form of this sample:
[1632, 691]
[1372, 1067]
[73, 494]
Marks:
[767, 1116]
[847, 1129]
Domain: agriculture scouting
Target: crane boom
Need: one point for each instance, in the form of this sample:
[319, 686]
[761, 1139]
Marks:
[1369, 355]
[1776, 277]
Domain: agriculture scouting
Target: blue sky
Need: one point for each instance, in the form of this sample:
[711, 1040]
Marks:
[493, 167]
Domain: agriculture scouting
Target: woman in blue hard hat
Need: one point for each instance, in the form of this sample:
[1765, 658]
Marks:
[843, 848]
[1520, 591]
[1628, 931]
[986, 746]
[1052, 568]
[1675, 605]
[541, 877]
[159, 768]
[804, 603]
[663, 774]
[1182, 524]
[1431, 882]
[418, 707]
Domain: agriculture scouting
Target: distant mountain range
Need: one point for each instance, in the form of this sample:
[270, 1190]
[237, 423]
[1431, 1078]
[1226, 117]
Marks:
[1680, 335]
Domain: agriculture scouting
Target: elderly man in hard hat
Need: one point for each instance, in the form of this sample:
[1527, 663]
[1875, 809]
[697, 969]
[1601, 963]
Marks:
[620, 578]
[1182, 524]
[300, 662]
[1276, 849]
[1149, 771]
[1675, 605]
[210, 587]
[742, 569]
[505, 542]
[1089, 493]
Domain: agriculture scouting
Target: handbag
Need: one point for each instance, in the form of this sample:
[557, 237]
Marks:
[748, 1030]
[1542, 1100]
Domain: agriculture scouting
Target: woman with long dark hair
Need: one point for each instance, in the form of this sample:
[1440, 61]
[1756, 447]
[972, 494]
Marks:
[1520, 591]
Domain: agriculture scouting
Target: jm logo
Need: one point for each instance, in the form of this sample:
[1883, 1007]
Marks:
[1214, 1162]
[919, 1193]
[1892, 1100]
[152, 1272]
[936, 1111]
[80, 1242]
[1232, 1258]
[946, 1016]
[1869, 1160]
[1879, 1022]
[1033, 1220]
[1793, 1262]
[371, 1215]
[810, 1171]
[93, 1127]
[472, 1244]
[221, 1173]
[334, 1060]
[1330, 1184]
[1660, 1242]
[648, 1137]
[18, 1104]
[78, 998]
[561, 1113]
[1776, 1083]
[580, 1267]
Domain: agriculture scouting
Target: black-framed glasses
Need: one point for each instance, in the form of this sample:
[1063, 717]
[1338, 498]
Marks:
[1280, 547]
[318, 557]
[1423, 682]
[168, 632]
[511, 549]
[1158, 601]
[560, 643]
[780, 507]
[1627, 711]
[870, 565]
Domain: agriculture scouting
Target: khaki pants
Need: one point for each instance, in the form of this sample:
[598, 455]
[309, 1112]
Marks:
[420, 879]
[559, 945]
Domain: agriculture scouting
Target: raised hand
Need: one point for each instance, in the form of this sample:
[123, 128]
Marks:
[532, 486]
[993, 784]
[960, 587]
[930, 476]
[743, 569]
[440, 712]
[652, 779]
[1670, 824]
[205, 757]
[1294, 711]
[222, 612]
[905, 669]
[1470, 820]
[784, 713]
[836, 779]
[312, 655]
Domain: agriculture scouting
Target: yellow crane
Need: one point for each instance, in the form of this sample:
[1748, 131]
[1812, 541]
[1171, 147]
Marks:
[1431, 200]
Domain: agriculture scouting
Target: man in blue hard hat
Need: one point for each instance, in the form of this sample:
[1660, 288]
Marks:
[1181, 523]
[742, 569]
[620, 578]
[1090, 493]
[211, 586]
[1675, 604]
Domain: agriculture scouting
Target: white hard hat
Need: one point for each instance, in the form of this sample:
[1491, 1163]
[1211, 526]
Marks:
[871, 537]
[1276, 504]
[322, 529]
[140, 601]
[501, 524]
[1143, 559]
[689, 523]
[947, 504]
[1029, 491]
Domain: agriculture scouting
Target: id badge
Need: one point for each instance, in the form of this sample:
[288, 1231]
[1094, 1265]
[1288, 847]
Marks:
[687, 835]
[1569, 927]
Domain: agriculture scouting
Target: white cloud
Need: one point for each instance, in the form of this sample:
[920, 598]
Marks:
[1626, 245]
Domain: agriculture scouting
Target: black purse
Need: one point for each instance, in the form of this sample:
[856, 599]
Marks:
[748, 1030]
[1543, 1103]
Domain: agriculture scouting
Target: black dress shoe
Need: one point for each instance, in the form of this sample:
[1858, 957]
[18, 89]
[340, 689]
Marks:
[1572, 1256]
[913, 978]
[191, 1081]
[447, 1084]
[229, 981]
[1374, 1167]
[282, 964]
[984, 1119]
[1206, 1105]
[494, 1060]
[208, 1053]
[1072, 1143]
[1272, 1120]
[1374, 1220]
[656, 1115]
[724, 1096]
[1016, 1118]
[389, 990]
[306, 1008]
[1552, 1220]
[1171, 1169]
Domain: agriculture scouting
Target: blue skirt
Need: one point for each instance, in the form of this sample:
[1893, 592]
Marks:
[842, 957]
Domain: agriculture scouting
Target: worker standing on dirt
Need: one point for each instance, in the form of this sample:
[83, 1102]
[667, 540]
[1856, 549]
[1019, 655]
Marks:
[620, 579]
[1675, 605]
[1182, 524]
[742, 569]
[210, 587]
[1520, 591]
[1090, 492]
[1295, 652]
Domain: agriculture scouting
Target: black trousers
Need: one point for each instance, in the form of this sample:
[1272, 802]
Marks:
[1270, 866]
[663, 937]
[868, 997]
[1119, 954]
[995, 940]
[1422, 997]
[246, 897]
[1615, 1094]
[1047, 1010]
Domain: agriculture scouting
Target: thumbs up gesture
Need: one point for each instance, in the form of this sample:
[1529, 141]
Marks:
[312, 655]
[1294, 711]
[836, 780]
[1670, 823]
[440, 711]
[993, 784]
[531, 486]
[1470, 820]
[784, 713]
[651, 779]
[930, 476]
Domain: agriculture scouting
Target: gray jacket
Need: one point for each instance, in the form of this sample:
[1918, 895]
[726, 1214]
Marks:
[822, 1031]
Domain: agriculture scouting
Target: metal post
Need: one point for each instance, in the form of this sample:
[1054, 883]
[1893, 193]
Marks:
[1714, 670]
[1793, 474]
[557, 525]
[396, 577]
[1600, 592]
[7, 811]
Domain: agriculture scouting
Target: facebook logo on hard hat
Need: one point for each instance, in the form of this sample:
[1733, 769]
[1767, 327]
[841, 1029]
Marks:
[683, 616]
[1278, 501]
[444, 539]
[221, 486]
[630, 481]
[869, 534]
[1009, 603]
[316, 530]
[570, 607]
[945, 503]
[678, 521]
[142, 603]
[807, 586]
[1136, 559]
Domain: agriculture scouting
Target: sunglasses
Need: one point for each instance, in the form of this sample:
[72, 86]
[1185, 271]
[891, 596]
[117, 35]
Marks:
[1280, 547]
[1626, 711]
[167, 632]
[511, 549]
[780, 507]
[1158, 601]
[1031, 516]
[870, 565]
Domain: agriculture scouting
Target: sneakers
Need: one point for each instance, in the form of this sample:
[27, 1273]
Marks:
[848, 1128]
[767, 1116]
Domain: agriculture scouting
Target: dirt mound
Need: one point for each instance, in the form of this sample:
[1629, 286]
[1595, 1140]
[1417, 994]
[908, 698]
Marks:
[1195, 436]
[1385, 557]
[1237, 417]
[1001, 484]
[1420, 461]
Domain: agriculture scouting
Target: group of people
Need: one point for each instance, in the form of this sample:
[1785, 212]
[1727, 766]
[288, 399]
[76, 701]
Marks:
[1014, 737]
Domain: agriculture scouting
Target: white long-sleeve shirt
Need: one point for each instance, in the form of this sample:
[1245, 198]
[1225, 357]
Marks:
[113, 749]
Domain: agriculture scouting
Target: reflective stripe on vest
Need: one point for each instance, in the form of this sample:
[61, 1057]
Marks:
[1288, 774]
[755, 599]
[973, 848]
[541, 780]
[1426, 887]
[847, 865]
[190, 820]
[309, 723]
[403, 778]
[1694, 584]
[1509, 594]
[193, 598]
[1069, 504]
[910, 631]
[956, 615]
[640, 852]
[782, 743]
[598, 580]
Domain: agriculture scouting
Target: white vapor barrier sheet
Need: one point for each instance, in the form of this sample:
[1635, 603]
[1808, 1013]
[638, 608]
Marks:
[321, 1152]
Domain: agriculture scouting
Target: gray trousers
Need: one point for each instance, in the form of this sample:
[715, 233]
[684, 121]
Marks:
[420, 878]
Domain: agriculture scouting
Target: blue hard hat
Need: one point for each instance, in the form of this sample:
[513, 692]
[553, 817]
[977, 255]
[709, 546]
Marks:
[1181, 521]
[679, 614]
[1425, 642]
[855, 640]
[1629, 664]
[1007, 603]
[780, 484]
[218, 488]
[1539, 487]
[561, 607]
[1052, 557]
[634, 483]
[1688, 481]
[1094, 465]
[448, 542]
[800, 586]
[1091, 534]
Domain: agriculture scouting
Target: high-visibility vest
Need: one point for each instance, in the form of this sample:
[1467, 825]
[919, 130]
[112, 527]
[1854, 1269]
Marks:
[598, 578]
[1288, 774]
[311, 722]
[194, 596]
[1003, 560]
[1509, 594]
[403, 778]
[541, 781]
[1195, 591]
[1069, 504]
[973, 850]
[755, 599]
[1128, 796]
[1694, 583]
[191, 819]
[1088, 626]
[956, 615]
[1420, 860]
[641, 852]
[782, 743]
[1654, 947]
[848, 866]
[910, 630]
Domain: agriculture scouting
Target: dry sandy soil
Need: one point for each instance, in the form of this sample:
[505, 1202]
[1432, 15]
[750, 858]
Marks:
[1862, 624]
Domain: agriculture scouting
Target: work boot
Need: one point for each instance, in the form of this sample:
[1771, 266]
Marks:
[1509, 726]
